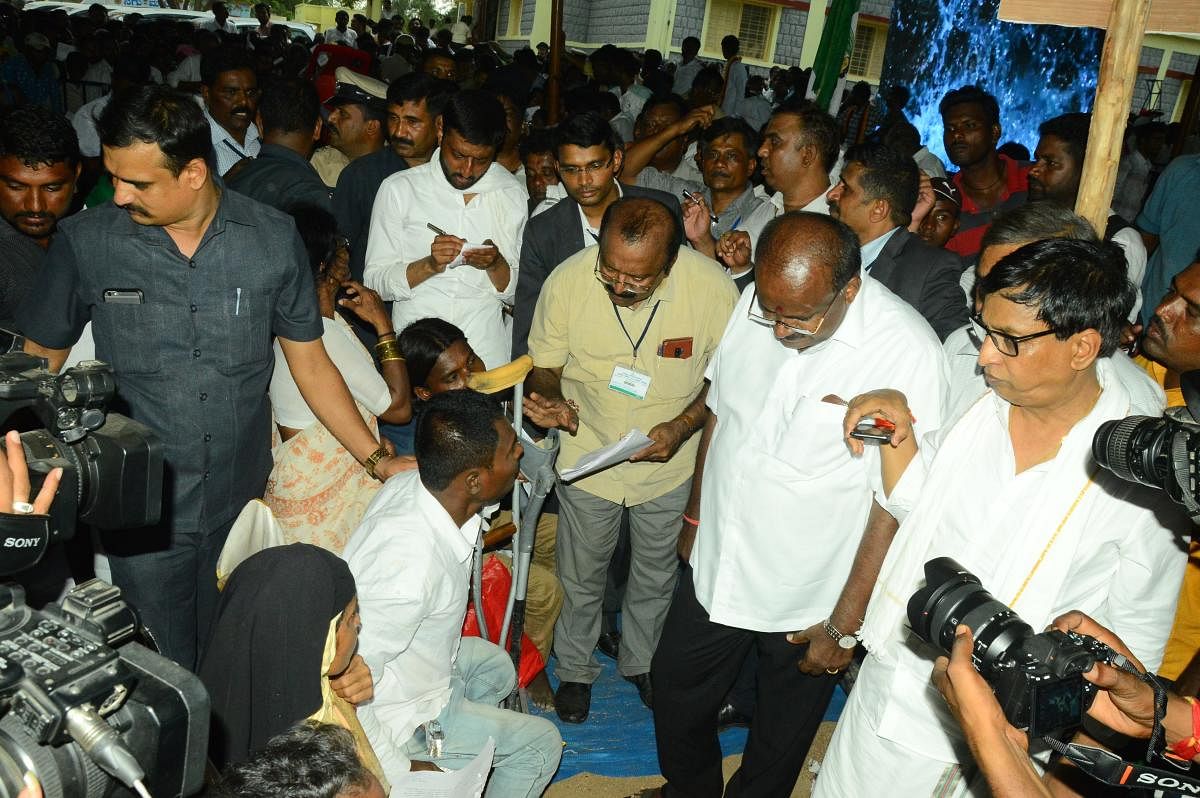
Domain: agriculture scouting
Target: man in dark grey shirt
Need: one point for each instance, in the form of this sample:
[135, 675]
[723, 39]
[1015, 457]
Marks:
[186, 286]
[39, 164]
[289, 114]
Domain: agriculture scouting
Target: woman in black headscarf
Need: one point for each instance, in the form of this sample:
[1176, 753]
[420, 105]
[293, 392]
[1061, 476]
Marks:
[287, 624]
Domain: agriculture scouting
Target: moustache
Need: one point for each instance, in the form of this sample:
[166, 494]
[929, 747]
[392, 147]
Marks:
[404, 142]
[620, 294]
[37, 217]
[241, 109]
[131, 208]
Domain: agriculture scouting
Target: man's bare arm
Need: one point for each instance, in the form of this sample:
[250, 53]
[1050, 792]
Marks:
[687, 535]
[56, 357]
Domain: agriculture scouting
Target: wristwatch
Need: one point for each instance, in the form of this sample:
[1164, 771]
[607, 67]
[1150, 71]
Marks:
[843, 641]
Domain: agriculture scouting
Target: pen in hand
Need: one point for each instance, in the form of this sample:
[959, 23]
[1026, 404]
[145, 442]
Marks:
[436, 229]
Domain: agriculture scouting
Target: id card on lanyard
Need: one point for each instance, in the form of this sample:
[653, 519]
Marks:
[629, 381]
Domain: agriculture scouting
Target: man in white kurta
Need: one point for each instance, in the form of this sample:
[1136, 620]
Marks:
[1040, 524]
[783, 506]
[463, 192]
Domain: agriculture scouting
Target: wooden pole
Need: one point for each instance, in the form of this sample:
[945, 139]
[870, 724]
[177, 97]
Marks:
[1118, 61]
[1114, 90]
[558, 41]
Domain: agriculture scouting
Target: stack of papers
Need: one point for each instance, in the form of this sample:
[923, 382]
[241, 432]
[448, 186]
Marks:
[630, 444]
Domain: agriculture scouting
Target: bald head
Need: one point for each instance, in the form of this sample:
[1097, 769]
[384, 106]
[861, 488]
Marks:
[643, 223]
[801, 246]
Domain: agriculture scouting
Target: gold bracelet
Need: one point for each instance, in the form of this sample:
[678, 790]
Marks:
[386, 337]
[391, 359]
[388, 349]
[373, 460]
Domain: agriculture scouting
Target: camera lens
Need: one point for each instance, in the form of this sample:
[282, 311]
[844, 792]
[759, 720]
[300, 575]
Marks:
[1134, 449]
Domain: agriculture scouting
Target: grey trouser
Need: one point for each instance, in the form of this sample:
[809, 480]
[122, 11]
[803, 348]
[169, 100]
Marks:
[587, 535]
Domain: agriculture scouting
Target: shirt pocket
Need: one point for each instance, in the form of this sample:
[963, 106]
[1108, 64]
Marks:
[130, 336]
[809, 444]
[236, 324]
[676, 378]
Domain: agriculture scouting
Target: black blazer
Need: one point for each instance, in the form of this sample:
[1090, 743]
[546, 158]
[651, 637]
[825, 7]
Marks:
[926, 278]
[550, 238]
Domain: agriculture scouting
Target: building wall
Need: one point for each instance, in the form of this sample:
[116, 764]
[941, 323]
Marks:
[527, 17]
[876, 8]
[575, 19]
[617, 21]
[689, 21]
[790, 40]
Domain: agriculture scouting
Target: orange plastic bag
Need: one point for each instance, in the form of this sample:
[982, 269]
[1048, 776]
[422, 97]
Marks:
[497, 581]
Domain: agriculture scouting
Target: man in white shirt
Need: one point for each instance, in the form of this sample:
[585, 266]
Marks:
[230, 94]
[787, 533]
[799, 149]
[904, 139]
[736, 75]
[688, 67]
[460, 32]
[220, 22]
[755, 108]
[1011, 492]
[411, 560]
[1055, 175]
[469, 199]
[340, 34]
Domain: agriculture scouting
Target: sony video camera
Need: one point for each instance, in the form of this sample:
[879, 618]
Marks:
[87, 710]
[1158, 452]
[1037, 677]
[112, 465]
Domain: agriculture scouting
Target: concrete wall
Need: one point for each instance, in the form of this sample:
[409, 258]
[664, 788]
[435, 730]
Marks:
[876, 8]
[575, 19]
[615, 21]
[689, 21]
[790, 40]
[527, 17]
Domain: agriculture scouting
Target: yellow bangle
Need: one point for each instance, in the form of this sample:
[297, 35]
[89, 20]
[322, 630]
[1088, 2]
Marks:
[391, 359]
[387, 350]
[373, 460]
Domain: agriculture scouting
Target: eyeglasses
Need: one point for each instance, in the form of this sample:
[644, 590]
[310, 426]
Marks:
[1008, 345]
[609, 277]
[791, 324]
[589, 169]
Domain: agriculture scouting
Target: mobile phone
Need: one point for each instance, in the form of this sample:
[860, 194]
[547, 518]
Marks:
[873, 431]
[123, 296]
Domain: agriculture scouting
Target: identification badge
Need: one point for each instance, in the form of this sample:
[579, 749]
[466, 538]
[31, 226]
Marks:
[629, 382]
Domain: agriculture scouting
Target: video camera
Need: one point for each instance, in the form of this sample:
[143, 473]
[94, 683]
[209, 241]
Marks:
[1037, 677]
[1158, 452]
[81, 703]
[112, 465]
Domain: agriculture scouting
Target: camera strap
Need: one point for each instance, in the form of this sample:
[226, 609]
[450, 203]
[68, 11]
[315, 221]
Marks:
[1107, 767]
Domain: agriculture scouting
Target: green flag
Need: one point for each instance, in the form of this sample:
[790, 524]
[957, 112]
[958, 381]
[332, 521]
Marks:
[835, 44]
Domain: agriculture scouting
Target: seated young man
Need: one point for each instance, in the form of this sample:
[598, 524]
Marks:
[411, 559]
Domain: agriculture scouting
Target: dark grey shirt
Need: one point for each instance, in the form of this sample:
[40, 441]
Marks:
[193, 359]
[281, 178]
[354, 198]
[20, 262]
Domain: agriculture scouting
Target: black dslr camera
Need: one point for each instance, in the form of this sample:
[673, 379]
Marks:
[112, 465]
[1037, 677]
[1158, 452]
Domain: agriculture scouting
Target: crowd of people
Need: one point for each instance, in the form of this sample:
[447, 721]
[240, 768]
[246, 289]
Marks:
[302, 276]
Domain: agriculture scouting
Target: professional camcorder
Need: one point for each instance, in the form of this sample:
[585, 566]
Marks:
[112, 465]
[83, 707]
[1159, 452]
[1037, 677]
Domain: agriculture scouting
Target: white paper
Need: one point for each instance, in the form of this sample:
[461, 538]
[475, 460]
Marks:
[465, 783]
[630, 444]
[467, 249]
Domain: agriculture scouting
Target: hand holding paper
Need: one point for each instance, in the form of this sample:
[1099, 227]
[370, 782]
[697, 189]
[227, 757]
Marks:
[630, 443]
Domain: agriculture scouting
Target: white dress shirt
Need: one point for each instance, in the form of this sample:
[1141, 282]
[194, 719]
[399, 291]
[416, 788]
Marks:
[84, 122]
[412, 566]
[783, 504]
[188, 71]
[228, 150]
[352, 359]
[774, 207]
[685, 74]
[228, 27]
[408, 201]
[1130, 242]
[346, 38]
[1103, 550]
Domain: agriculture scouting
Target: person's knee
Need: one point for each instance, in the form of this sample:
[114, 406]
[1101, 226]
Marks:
[541, 747]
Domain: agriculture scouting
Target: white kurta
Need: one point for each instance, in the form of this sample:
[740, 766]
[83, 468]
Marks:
[1042, 541]
[783, 503]
[410, 200]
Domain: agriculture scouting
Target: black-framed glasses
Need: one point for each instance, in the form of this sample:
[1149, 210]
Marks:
[1008, 345]
[791, 324]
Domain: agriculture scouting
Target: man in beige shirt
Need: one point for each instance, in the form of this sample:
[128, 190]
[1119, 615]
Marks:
[621, 337]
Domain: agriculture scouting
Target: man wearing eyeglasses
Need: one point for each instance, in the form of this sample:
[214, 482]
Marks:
[1011, 492]
[588, 158]
[782, 525]
[620, 340]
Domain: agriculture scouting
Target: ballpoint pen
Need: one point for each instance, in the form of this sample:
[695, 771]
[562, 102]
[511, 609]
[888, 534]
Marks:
[690, 197]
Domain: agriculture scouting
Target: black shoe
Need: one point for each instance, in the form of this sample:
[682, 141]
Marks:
[609, 644]
[729, 715]
[572, 701]
[645, 691]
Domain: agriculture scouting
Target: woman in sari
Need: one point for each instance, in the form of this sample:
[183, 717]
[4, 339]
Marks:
[317, 490]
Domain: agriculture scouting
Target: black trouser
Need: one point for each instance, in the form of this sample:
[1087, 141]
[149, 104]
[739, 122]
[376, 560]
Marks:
[696, 663]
